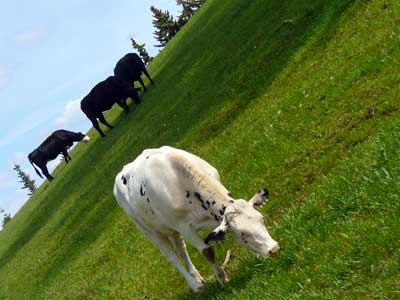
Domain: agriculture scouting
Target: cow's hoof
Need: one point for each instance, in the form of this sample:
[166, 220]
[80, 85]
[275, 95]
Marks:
[197, 287]
[198, 277]
[222, 277]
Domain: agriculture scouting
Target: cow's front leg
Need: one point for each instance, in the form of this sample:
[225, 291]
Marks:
[148, 76]
[142, 84]
[65, 154]
[191, 235]
[219, 272]
[103, 120]
[180, 246]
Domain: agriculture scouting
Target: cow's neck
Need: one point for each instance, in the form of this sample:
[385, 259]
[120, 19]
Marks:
[212, 197]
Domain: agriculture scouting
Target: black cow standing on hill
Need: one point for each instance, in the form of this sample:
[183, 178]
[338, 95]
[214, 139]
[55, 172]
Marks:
[130, 68]
[103, 96]
[58, 142]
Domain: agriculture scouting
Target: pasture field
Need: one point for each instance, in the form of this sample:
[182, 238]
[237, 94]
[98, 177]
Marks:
[301, 97]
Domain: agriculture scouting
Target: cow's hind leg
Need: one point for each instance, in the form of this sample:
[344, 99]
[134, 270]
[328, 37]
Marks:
[66, 156]
[180, 246]
[164, 245]
[103, 120]
[46, 173]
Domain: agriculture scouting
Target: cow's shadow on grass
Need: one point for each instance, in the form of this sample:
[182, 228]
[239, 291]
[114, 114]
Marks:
[238, 280]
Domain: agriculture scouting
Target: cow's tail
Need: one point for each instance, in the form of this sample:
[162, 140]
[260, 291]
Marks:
[37, 171]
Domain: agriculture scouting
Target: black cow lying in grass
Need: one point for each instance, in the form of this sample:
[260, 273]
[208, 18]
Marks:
[58, 142]
[103, 96]
[130, 68]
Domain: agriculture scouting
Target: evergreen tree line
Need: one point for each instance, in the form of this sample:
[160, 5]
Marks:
[167, 26]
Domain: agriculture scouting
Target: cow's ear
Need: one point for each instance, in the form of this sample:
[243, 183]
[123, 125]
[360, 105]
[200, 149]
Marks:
[218, 234]
[260, 198]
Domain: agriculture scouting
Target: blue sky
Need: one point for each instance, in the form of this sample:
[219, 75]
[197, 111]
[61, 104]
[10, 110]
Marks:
[51, 54]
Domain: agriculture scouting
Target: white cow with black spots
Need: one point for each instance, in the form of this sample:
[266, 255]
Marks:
[171, 194]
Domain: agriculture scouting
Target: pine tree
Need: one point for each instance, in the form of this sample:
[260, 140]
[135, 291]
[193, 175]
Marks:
[189, 7]
[6, 219]
[142, 51]
[166, 26]
[25, 179]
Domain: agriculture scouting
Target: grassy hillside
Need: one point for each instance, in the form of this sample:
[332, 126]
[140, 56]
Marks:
[301, 97]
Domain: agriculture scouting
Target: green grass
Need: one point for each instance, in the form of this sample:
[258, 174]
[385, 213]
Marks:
[308, 108]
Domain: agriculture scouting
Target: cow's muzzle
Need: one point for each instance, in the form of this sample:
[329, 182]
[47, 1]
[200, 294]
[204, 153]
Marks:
[274, 250]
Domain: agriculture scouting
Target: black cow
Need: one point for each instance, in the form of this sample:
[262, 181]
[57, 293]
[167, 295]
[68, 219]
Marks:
[130, 68]
[58, 142]
[103, 96]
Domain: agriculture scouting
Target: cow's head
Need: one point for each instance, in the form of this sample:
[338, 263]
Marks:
[247, 226]
[82, 137]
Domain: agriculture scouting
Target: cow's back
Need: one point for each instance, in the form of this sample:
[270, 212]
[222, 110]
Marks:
[51, 148]
[101, 97]
[129, 67]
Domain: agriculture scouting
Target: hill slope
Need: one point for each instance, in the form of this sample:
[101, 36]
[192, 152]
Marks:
[300, 97]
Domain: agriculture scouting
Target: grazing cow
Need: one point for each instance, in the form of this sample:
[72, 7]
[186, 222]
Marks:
[103, 96]
[58, 142]
[171, 194]
[130, 68]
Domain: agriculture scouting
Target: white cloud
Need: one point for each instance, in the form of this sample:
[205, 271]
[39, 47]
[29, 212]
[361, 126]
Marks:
[71, 116]
[28, 38]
